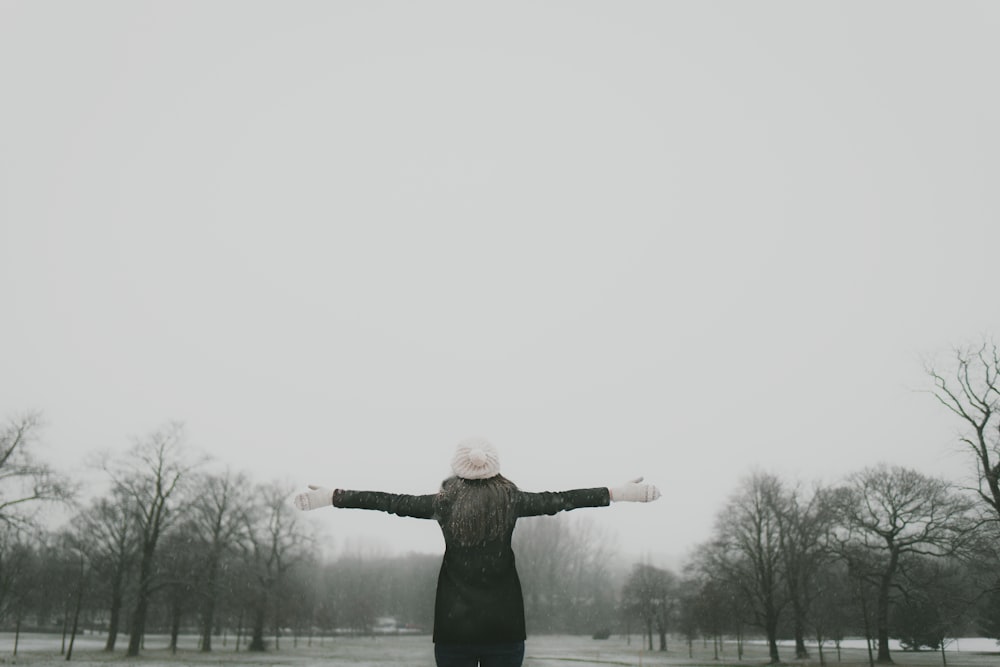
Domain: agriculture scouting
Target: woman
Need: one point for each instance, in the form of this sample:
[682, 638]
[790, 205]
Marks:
[478, 609]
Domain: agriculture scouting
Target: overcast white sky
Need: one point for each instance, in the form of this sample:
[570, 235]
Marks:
[682, 240]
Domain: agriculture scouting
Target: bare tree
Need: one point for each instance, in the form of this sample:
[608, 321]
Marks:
[652, 593]
[151, 477]
[712, 605]
[831, 612]
[74, 549]
[25, 481]
[804, 522]
[746, 552]
[17, 556]
[178, 565]
[275, 541]
[690, 620]
[971, 391]
[218, 517]
[109, 534]
[888, 514]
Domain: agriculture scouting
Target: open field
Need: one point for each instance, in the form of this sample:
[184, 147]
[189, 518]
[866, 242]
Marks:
[410, 651]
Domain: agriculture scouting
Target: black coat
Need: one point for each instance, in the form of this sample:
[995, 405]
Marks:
[479, 597]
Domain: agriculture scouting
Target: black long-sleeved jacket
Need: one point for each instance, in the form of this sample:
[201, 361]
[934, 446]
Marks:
[479, 596]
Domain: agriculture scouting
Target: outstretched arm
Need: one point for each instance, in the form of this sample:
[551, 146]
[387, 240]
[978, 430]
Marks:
[534, 504]
[552, 502]
[400, 504]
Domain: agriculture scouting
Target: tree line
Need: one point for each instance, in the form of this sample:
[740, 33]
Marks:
[167, 542]
[174, 550]
[887, 553]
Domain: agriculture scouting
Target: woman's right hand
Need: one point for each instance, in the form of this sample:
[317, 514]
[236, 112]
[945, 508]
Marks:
[316, 497]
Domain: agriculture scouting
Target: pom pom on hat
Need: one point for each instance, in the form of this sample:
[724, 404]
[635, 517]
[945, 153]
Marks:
[475, 458]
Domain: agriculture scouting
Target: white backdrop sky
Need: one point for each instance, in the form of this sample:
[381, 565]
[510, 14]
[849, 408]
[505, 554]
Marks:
[682, 240]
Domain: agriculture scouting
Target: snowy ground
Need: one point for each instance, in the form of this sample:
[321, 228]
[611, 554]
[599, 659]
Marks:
[542, 651]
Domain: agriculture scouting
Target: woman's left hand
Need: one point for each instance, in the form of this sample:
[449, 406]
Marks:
[634, 492]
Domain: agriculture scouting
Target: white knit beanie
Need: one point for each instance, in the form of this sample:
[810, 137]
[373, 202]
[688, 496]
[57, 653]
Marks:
[475, 458]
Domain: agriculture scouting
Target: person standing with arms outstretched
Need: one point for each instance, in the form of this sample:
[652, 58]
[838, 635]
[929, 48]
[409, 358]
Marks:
[478, 608]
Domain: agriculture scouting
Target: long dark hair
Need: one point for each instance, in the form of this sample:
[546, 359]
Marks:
[475, 511]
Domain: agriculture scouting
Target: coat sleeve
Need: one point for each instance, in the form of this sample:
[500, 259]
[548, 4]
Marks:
[400, 504]
[548, 502]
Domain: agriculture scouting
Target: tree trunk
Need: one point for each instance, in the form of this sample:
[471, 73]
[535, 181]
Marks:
[801, 652]
[772, 649]
[257, 639]
[772, 638]
[207, 622]
[142, 600]
[17, 634]
[138, 625]
[116, 614]
[798, 614]
[208, 611]
[882, 621]
[175, 625]
[277, 623]
[65, 628]
[239, 630]
[868, 627]
[76, 621]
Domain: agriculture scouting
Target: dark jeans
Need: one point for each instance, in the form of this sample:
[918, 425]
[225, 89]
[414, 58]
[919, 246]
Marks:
[484, 655]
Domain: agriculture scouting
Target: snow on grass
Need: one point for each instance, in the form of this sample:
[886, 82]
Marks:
[38, 650]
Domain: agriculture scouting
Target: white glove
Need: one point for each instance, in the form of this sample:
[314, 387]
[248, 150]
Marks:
[634, 492]
[316, 497]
